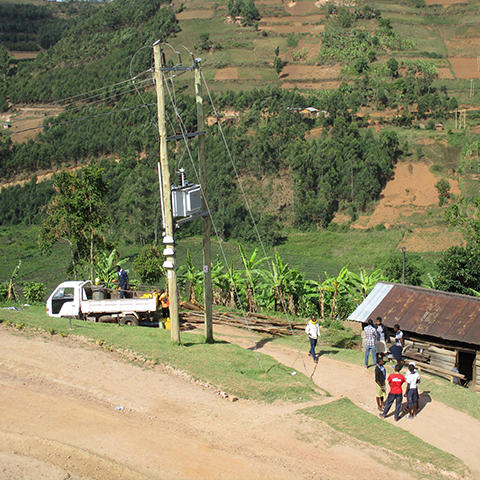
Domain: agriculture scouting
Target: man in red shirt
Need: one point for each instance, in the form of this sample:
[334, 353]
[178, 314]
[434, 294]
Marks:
[396, 380]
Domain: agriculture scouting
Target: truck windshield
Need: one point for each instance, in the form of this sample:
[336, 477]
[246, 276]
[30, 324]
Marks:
[64, 293]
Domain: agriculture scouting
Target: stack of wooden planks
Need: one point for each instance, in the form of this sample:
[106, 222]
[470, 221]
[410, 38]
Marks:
[255, 321]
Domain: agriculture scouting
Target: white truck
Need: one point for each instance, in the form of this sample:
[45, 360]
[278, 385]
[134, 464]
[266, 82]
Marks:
[77, 299]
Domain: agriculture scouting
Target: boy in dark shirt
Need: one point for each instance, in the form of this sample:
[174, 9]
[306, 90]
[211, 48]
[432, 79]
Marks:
[380, 376]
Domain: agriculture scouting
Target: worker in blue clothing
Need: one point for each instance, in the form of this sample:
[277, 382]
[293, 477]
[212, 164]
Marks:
[123, 283]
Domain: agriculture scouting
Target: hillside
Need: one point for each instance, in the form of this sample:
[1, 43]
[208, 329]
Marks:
[384, 133]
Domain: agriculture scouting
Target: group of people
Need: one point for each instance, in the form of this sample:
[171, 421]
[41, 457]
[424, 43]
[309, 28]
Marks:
[376, 339]
[396, 381]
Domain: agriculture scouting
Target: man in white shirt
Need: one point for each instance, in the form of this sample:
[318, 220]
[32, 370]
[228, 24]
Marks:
[313, 331]
[412, 379]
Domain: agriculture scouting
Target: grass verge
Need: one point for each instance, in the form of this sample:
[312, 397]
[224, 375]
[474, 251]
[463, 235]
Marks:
[345, 417]
[238, 371]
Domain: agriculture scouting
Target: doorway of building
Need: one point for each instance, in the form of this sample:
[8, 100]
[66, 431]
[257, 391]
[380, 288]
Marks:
[466, 361]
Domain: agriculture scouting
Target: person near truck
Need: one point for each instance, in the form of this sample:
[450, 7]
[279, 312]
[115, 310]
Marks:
[123, 283]
[165, 303]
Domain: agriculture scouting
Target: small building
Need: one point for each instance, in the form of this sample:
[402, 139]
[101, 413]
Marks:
[309, 112]
[6, 125]
[441, 329]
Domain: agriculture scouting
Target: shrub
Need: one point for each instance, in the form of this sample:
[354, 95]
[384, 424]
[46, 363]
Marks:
[34, 292]
[3, 290]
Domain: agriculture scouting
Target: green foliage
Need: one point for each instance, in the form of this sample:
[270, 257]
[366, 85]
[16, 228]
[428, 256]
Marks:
[34, 292]
[466, 215]
[443, 188]
[29, 27]
[104, 266]
[76, 214]
[392, 65]
[292, 40]
[278, 65]
[393, 269]
[99, 44]
[341, 45]
[459, 270]
[149, 264]
[244, 8]
[3, 290]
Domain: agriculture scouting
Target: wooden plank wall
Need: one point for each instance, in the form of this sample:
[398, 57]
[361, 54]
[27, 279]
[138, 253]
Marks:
[477, 373]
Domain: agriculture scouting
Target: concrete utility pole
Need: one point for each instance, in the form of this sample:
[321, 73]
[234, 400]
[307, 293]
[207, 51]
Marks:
[207, 260]
[168, 240]
[403, 265]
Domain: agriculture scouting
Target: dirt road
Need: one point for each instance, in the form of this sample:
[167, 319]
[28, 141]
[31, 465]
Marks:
[58, 419]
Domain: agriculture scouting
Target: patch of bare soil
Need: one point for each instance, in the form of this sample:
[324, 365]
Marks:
[445, 73]
[325, 85]
[24, 55]
[466, 67]
[411, 190]
[443, 2]
[27, 121]
[311, 72]
[229, 73]
[302, 8]
[195, 14]
[430, 239]
[296, 29]
[59, 419]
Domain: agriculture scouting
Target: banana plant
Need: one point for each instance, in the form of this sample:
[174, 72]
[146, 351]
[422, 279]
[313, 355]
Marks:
[192, 277]
[104, 266]
[252, 273]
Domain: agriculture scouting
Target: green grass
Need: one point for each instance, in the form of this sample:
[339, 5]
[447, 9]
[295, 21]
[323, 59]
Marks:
[345, 417]
[226, 366]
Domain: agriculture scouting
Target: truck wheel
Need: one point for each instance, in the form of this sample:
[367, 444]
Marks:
[129, 320]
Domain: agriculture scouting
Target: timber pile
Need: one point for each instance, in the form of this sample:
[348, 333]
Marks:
[256, 321]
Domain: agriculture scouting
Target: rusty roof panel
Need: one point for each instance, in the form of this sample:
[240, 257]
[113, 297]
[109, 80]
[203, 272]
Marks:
[449, 316]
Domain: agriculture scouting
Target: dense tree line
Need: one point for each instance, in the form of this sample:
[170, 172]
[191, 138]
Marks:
[98, 45]
[30, 27]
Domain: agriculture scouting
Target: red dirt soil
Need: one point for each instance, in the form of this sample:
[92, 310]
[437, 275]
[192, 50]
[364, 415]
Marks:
[465, 67]
[59, 420]
[229, 73]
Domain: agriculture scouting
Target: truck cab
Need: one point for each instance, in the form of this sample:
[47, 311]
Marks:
[65, 299]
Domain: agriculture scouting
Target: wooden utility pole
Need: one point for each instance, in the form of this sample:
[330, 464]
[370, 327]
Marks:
[168, 239]
[207, 260]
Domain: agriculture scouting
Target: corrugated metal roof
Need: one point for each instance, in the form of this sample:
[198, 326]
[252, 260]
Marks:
[449, 316]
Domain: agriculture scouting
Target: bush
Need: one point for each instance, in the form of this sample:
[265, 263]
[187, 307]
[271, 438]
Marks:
[34, 292]
[3, 290]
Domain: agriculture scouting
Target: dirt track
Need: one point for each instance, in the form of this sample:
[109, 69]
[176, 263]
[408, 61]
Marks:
[58, 418]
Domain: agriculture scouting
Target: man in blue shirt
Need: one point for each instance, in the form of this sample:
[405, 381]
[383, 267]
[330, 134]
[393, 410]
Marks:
[122, 280]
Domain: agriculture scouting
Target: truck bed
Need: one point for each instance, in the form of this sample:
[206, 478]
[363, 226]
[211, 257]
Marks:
[121, 305]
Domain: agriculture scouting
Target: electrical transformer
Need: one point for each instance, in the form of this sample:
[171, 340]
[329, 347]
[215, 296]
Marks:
[186, 198]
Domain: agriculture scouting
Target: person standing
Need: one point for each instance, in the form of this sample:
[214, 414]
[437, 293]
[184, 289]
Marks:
[397, 349]
[413, 379]
[313, 331]
[382, 337]
[380, 377]
[123, 282]
[396, 381]
[370, 342]
[165, 303]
